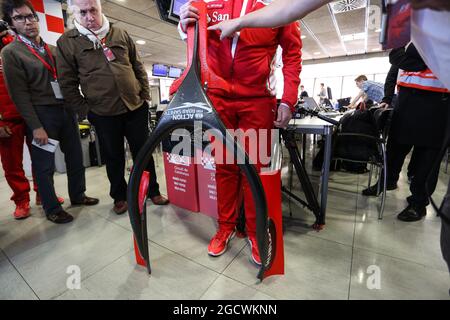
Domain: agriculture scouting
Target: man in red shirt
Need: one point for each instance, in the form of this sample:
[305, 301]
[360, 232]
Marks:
[247, 62]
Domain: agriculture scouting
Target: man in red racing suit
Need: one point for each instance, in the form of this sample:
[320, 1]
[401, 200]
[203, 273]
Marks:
[12, 136]
[247, 62]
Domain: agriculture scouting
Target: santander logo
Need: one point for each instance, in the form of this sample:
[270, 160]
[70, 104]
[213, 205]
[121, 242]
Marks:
[218, 17]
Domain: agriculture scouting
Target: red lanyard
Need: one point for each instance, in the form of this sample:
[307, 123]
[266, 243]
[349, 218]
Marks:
[51, 68]
[102, 42]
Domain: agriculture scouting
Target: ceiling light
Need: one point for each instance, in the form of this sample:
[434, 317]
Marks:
[378, 30]
[354, 36]
[303, 37]
[141, 42]
[347, 5]
[376, 49]
[317, 53]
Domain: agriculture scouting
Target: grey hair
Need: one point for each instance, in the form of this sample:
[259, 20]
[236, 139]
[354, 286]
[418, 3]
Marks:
[71, 6]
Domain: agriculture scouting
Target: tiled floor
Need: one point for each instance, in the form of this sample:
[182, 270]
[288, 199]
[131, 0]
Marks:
[355, 257]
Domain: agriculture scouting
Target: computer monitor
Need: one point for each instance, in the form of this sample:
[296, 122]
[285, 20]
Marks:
[327, 103]
[174, 11]
[330, 95]
[344, 102]
[175, 72]
[160, 70]
[163, 10]
[169, 10]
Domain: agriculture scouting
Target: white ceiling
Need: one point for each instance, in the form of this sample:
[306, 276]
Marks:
[323, 30]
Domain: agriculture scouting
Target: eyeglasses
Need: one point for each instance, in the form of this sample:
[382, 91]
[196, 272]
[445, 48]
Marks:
[30, 17]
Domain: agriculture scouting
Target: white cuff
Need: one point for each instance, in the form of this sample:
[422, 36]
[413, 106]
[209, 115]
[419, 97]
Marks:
[183, 34]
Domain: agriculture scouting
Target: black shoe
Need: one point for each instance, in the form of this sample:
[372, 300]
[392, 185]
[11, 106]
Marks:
[86, 201]
[373, 190]
[412, 213]
[61, 217]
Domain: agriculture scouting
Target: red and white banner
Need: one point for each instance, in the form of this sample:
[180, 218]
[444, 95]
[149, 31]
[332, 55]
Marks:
[181, 181]
[51, 19]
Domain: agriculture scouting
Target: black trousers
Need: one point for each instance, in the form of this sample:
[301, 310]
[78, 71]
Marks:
[111, 131]
[425, 172]
[393, 176]
[445, 231]
[412, 163]
[420, 121]
[60, 124]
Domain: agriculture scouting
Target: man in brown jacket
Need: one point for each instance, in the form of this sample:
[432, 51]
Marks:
[102, 60]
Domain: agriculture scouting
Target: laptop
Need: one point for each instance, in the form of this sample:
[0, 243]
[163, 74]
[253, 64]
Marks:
[310, 104]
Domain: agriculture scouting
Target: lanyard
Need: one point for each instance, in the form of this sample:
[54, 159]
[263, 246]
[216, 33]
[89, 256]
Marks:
[101, 42]
[51, 68]
[109, 55]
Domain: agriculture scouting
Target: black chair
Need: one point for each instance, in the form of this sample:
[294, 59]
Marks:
[377, 158]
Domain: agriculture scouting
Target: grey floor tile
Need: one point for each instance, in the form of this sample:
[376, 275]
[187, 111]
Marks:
[318, 265]
[14, 234]
[43, 254]
[340, 218]
[314, 269]
[158, 217]
[398, 279]
[190, 237]
[225, 288]
[368, 208]
[415, 241]
[173, 277]
[12, 285]
[182, 231]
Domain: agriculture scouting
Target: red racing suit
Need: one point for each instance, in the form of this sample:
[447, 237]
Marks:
[247, 62]
[11, 149]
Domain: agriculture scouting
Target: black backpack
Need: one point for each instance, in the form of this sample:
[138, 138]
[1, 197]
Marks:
[357, 148]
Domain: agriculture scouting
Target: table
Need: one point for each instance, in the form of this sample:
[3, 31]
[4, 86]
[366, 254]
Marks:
[314, 125]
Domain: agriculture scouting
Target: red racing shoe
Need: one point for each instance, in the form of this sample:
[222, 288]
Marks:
[219, 243]
[39, 202]
[255, 252]
[22, 211]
